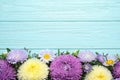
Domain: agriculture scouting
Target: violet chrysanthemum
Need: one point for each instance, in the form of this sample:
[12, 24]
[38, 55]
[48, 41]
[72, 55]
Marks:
[86, 56]
[116, 70]
[66, 67]
[7, 72]
[87, 67]
[15, 56]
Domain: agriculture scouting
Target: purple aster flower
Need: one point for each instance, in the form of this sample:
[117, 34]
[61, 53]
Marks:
[15, 56]
[116, 70]
[100, 58]
[66, 67]
[117, 79]
[7, 72]
[87, 67]
[86, 56]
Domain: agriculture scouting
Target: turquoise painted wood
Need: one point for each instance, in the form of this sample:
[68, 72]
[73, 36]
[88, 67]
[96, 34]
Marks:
[60, 35]
[59, 10]
[63, 24]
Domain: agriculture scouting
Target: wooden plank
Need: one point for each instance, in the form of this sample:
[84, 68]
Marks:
[59, 10]
[60, 34]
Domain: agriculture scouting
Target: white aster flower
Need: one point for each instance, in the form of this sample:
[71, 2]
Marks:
[110, 60]
[47, 55]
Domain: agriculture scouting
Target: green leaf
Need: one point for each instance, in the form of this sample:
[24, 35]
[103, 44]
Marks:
[97, 53]
[67, 52]
[8, 50]
[59, 53]
[75, 53]
[117, 56]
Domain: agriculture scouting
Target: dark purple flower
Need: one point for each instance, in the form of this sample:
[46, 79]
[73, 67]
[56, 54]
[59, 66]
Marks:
[7, 72]
[116, 70]
[15, 56]
[66, 67]
[87, 67]
[100, 58]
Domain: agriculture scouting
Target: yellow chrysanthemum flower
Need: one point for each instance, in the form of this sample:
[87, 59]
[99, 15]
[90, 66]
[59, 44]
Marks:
[99, 73]
[33, 69]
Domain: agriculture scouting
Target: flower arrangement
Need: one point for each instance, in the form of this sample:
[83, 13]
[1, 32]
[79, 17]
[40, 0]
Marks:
[50, 65]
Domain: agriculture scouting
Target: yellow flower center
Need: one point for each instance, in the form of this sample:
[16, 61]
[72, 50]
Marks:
[31, 68]
[100, 77]
[109, 62]
[46, 56]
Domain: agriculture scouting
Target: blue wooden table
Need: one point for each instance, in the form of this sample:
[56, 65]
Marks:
[83, 24]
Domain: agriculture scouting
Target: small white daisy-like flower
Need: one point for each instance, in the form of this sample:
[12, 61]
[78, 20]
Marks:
[47, 55]
[110, 60]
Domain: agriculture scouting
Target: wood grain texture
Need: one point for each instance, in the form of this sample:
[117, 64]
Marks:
[60, 35]
[59, 10]
[60, 24]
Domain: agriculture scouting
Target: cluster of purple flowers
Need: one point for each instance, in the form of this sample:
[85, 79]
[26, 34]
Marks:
[62, 67]
[7, 71]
